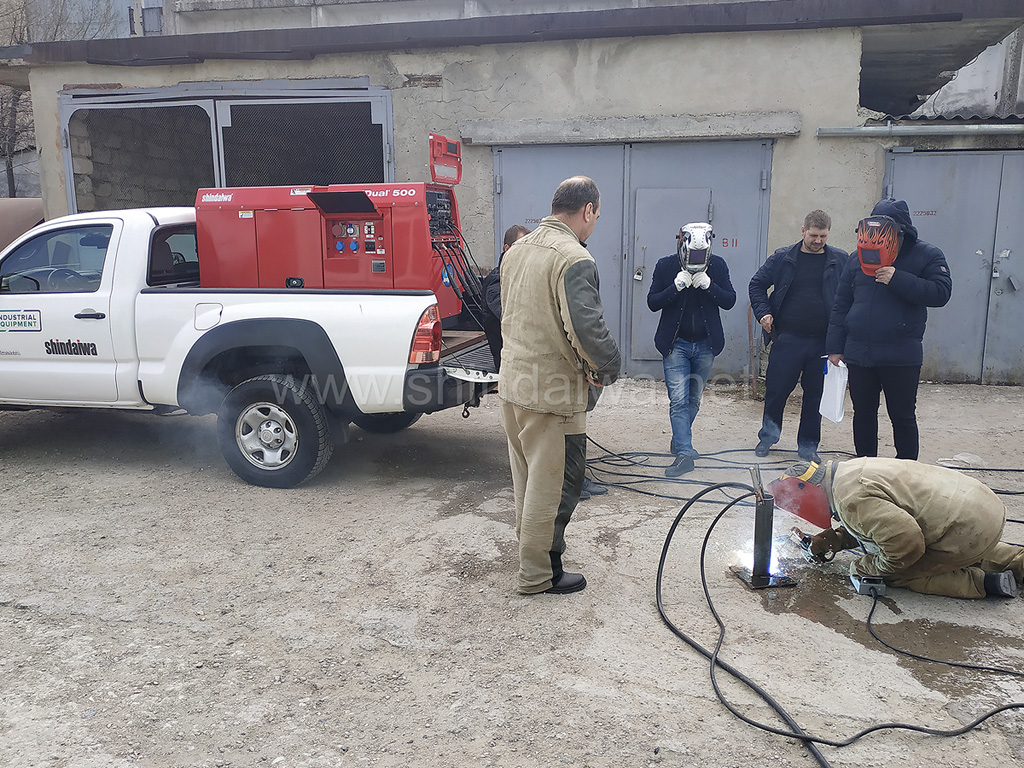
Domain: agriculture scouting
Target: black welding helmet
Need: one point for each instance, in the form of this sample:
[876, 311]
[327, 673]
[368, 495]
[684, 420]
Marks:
[800, 493]
[878, 243]
[693, 244]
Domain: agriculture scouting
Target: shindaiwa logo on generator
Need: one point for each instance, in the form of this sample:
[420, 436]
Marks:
[69, 347]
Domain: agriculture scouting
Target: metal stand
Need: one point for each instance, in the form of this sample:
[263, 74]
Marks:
[764, 514]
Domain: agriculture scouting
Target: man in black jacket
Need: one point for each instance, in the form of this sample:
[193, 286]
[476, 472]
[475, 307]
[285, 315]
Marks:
[795, 318]
[491, 285]
[689, 288]
[876, 327]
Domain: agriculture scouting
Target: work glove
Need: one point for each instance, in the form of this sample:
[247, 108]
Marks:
[824, 545]
[683, 280]
[701, 280]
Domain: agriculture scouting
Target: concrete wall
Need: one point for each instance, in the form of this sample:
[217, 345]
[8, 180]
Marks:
[990, 86]
[743, 81]
[197, 16]
[172, 171]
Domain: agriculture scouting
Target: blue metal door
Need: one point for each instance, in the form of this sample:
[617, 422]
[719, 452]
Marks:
[658, 215]
[648, 191]
[737, 173]
[525, 179]
[968, 204]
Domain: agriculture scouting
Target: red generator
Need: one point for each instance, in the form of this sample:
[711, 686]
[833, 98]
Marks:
[348, 236]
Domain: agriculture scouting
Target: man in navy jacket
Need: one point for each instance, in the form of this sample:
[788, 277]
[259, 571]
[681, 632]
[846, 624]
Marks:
[876, 327]
[689, 336]
[795, 318]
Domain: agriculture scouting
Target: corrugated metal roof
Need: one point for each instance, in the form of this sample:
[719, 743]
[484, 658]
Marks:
[955, 119]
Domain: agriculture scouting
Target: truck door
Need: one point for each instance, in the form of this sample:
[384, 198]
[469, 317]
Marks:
[55, 341]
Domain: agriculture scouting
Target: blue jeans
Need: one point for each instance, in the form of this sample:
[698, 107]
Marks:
[687, 368]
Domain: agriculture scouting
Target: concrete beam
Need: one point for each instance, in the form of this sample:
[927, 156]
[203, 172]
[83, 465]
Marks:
[600, 130]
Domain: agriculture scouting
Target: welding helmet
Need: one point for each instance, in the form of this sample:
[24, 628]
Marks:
[799, 492]
[693, 244]
[878, 242]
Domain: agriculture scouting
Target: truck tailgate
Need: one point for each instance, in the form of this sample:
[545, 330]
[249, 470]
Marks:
[467, 349]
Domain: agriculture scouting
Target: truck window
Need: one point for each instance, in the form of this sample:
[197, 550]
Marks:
[60, 261]
[173, 257]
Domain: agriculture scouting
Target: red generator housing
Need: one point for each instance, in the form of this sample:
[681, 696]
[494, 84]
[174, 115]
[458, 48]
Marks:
[349, 236]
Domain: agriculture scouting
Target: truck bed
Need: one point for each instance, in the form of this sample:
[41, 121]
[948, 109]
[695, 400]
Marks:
[467, 349]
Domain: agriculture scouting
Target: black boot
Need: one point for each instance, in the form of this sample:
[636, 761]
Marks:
[1000, 584]
[566, 583]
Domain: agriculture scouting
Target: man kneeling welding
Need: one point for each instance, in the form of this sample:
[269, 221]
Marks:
[926, 528]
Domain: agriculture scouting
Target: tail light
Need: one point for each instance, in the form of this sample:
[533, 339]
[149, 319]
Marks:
[426, 342]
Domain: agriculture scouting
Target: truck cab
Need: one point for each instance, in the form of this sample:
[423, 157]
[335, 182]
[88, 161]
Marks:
[67, 334]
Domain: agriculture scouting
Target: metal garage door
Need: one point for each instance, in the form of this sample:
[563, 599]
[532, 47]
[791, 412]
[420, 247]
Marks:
[648, 191]
[157, 146]
[969, 204]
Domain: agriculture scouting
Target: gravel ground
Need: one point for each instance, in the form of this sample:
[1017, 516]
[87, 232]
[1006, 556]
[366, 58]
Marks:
[156, 611]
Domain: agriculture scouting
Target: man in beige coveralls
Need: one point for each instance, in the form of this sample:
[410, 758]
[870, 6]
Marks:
[557, 348]
[926, 528]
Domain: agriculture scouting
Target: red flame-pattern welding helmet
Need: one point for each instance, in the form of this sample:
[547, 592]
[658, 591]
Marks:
[799, 492]
[878, 243]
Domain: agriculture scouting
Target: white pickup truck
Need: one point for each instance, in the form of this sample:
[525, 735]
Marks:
[105, 310]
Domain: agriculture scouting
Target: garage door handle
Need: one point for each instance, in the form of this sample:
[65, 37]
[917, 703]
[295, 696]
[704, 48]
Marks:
[90, 316]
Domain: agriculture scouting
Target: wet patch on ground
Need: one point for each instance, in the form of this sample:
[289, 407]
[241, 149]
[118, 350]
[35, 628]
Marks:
[820, 590]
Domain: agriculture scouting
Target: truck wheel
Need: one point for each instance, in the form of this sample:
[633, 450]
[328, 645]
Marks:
[273, 432]
[385, 423]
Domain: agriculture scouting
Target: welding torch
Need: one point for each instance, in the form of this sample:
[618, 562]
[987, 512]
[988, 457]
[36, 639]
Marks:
[804, 541]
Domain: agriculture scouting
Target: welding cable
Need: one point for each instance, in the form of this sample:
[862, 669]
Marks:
[469, 265]
[632, 486]
[455, 357]
[601, 474]
[959, 665]
[715, 661]
[982, 469]
[782, 461]
[458, 283]
[462, 238]
[471, 285]
[454, 270]
[471, 282]
[449, 268]
[457, 278]
[632, 481]
[996, 491]
[640, 459]
[466, 261]
[796, 733]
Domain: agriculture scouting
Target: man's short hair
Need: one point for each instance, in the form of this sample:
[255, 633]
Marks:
[573, 195]
[514, 232]
[817, 219]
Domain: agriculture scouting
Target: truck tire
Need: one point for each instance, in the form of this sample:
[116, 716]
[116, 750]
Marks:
[273, 433]
[385, 423]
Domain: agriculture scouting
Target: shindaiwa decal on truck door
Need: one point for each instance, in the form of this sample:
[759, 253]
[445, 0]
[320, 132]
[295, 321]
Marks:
[77, 347]
[15, 320]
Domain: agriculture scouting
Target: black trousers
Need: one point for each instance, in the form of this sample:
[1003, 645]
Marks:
[794, 358]
[492, 328]
[899, 383]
